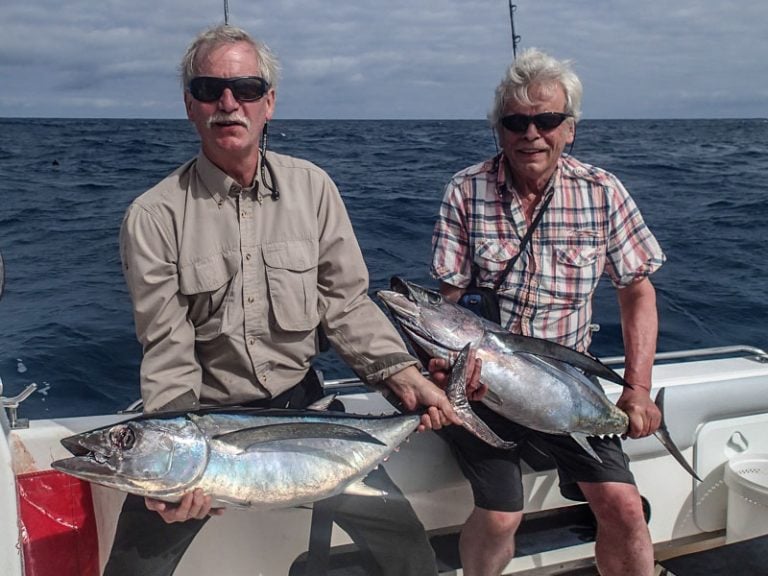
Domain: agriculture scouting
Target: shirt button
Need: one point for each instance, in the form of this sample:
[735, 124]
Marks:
[247, 256]
[251, 341]
[250, 299]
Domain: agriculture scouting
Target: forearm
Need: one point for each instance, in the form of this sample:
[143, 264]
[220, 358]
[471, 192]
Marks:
[639, 324]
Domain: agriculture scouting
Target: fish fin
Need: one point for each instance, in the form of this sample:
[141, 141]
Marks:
[549, 349]
[558, 367]
[220, 502]
[662, 434]
[360, 488]
[581, 440]
[457, 396]
[322, 404]
[247, 438]
[493, 398]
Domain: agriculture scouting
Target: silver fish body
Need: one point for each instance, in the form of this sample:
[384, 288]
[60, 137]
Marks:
[533, 382]
[541, 392]
[260, 459]
[544, 394]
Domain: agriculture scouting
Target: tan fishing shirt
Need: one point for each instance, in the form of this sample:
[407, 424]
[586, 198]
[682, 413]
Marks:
[228, 285]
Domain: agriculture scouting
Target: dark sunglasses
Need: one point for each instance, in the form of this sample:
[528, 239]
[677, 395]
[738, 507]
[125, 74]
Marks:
[244, 88]
[545, 121]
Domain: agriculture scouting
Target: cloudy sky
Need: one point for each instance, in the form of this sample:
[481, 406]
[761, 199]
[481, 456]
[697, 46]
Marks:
[389, 59]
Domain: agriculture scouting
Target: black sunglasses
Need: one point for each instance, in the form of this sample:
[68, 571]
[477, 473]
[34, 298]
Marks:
[244, 88]
[545, 121]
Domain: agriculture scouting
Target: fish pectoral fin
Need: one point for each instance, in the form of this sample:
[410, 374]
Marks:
[493, 398]
[555, 351]
[457, 396]
[470, 421]
[249, 438]
[229, 503]
[581, 440]
[360, 488]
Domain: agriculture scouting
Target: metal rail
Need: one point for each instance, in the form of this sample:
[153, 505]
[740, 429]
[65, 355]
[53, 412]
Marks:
[759, 354]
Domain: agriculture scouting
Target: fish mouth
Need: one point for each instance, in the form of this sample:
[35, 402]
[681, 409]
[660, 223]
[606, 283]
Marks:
[91, 456]
[76, 446]
[415, 293]
[399, 304]
[405, 311]
[94, 444]
[408, 316]
[92, 467]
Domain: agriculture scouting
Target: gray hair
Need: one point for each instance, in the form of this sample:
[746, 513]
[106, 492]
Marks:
[225, 34]
[535, 68]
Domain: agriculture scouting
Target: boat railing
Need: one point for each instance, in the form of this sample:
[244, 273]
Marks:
[353, 384]
[738, 350]
[757, 354]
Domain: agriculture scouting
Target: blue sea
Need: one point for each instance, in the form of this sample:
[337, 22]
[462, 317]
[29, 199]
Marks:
[65, 318]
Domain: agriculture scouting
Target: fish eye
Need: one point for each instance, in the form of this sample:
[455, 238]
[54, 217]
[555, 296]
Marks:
[434, 298]
[123, 437]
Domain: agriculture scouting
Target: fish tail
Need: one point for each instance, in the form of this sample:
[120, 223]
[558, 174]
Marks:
[663, 435]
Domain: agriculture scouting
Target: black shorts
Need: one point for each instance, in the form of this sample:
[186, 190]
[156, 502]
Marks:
[495, 474]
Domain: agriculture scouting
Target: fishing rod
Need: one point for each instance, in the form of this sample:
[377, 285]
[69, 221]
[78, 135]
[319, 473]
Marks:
[515, 37]
[226, 11]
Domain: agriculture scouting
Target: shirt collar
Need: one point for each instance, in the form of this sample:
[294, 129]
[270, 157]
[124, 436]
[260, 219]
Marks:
[499, 168]
[218, 183]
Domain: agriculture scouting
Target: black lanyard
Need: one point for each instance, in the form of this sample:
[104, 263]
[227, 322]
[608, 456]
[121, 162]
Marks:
[524, 242]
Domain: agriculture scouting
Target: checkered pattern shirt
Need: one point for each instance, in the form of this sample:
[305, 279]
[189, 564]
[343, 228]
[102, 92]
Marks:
[591, 226]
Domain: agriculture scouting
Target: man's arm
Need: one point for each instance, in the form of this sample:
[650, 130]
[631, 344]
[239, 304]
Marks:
[414, 390]
[171, 376]
[639, 325]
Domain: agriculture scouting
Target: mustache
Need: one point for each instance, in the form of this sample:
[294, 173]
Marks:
[221, 118]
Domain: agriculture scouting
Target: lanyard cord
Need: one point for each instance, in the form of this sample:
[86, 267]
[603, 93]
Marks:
[523, 243]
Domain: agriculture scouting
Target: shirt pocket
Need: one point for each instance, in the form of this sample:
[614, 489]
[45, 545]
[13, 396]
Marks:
[291, 268]
[213, 288]
[578, 257]
[491, 258]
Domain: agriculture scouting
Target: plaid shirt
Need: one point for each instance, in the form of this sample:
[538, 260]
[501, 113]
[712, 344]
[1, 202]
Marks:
[591, 226]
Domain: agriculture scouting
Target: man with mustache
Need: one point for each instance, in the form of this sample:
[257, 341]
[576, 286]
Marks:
[232, 263]
[540, 228]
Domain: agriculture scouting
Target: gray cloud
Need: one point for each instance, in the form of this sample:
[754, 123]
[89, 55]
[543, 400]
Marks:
[400, 59]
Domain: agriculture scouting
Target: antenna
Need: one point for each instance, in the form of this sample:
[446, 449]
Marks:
[226, 11]
[515, 37]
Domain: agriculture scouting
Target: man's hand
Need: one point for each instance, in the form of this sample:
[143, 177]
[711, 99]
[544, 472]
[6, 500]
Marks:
[644, 415]
[440, 371]
[193, 505]
[414, 391]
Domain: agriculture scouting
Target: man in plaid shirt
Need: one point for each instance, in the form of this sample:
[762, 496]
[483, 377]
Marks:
[590, 226]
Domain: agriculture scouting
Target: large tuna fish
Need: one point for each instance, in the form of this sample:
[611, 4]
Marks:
[249, 458]
[533, 382]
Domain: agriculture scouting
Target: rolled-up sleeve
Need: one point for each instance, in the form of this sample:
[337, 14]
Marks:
[169, 368]
[633, 252]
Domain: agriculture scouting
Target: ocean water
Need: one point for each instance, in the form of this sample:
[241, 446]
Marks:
[65, 319]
